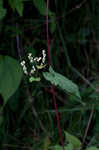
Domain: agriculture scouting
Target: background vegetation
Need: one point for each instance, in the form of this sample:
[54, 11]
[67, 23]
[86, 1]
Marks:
[27, 113]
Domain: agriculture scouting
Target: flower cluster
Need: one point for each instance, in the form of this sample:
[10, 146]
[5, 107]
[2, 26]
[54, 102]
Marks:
[24, 67]
[36, 63]
[44, 56]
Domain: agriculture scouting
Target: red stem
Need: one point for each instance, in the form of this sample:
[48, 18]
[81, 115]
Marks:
[57, 116]
[52, 88]
[48, 41]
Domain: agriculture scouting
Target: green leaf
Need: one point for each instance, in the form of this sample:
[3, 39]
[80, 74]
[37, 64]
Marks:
[2, 10]
[41, 6]
[10, 76]
[2, 13]
[46, 143]
[69, 147]
[12, 4]
[62, 82]
[31, 79]
[93, 148]
[73, 140]
[18, 5]
[56, 147]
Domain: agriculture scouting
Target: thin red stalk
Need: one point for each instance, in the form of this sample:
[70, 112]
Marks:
[48, 41]
[52, 88]
[57, 116]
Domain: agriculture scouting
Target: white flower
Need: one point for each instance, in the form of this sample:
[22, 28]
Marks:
[43, 60]
[25, 72]
[43, 51]
[22, 63]
[31, 60]
[29, 54]
[39, 62]
[39, 59]
[24, 67]
[33, 68]
[36, 58]
[32, 71]
[44, 56]
[30, 57]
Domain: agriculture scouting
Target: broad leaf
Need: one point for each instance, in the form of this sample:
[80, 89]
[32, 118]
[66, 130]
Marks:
[69, 147]
[41, 6]
[10, 76]
[2, 10]
[12, 4]
[62, 82]
[93, 148]
[18, 5]
[56, 147]
[73, 140]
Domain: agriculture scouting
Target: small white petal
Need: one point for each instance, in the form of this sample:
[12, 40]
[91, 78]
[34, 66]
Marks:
[25, 72]
[30, 54]
[24, 68]
[33, 68]
[36, 58]
[22, 63]
[31, 60]
[39, 59]
[43, 51]
[32, 71]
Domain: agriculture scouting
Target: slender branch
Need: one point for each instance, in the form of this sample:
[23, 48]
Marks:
[18, 44]
[89, 122]
[48, 41]
[76, 7]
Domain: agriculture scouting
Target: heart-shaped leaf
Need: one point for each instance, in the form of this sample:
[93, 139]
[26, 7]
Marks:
[10, 76]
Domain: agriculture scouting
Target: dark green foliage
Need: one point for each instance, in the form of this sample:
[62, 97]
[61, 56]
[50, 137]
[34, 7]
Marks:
[27, 113]
[2, 10]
